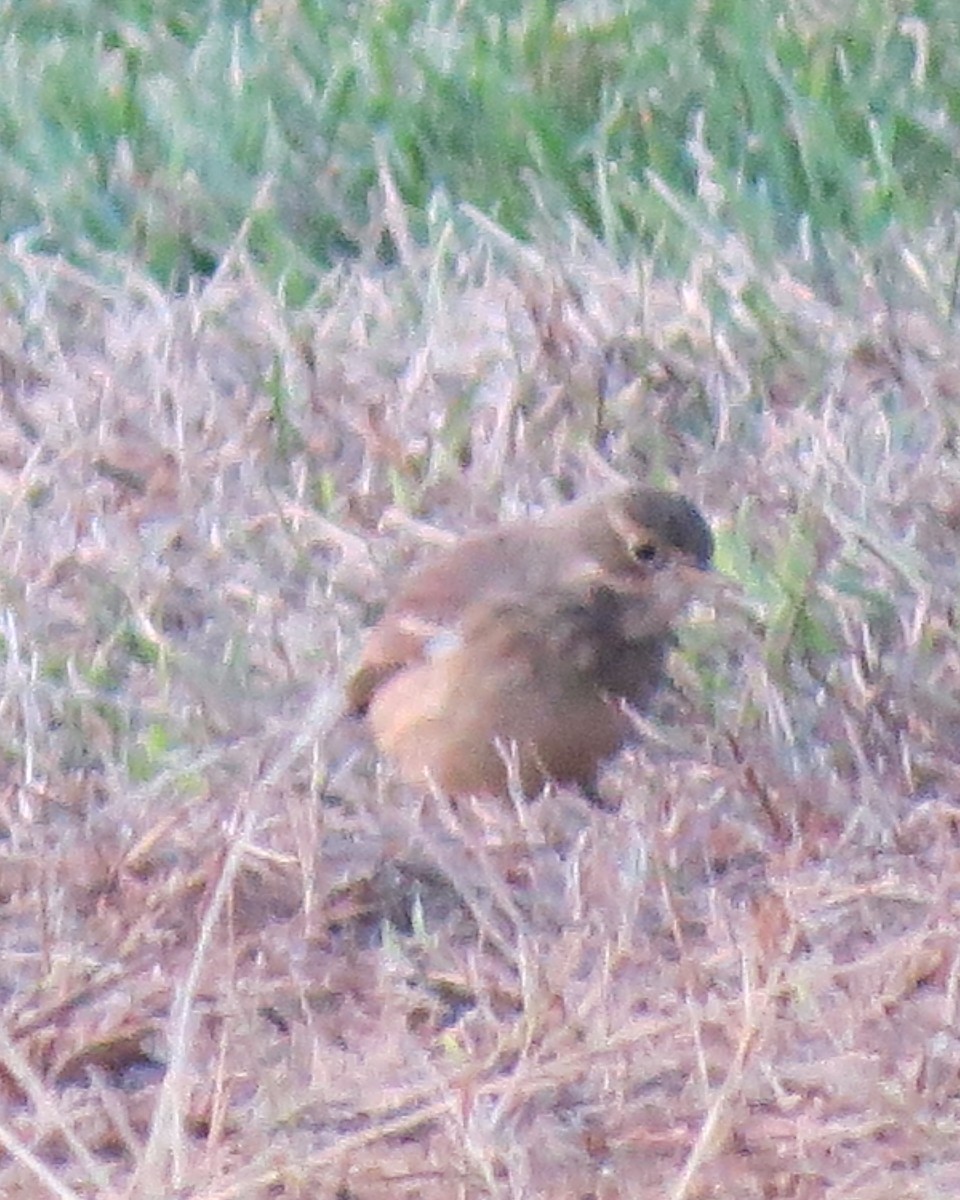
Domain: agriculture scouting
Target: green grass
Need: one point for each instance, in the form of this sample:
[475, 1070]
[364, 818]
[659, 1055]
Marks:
[163, 132]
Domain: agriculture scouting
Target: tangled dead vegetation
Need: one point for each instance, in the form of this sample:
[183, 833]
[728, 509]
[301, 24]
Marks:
[238, 961]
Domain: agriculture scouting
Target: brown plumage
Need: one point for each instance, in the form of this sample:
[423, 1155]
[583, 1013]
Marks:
[531, 636]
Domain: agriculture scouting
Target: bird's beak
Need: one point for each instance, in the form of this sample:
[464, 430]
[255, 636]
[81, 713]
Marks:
[700, 580]
[704, 565]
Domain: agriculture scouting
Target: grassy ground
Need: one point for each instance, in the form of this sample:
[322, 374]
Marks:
[289, 295]
[157, 131]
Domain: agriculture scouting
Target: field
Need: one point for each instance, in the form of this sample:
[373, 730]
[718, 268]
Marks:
[291, 295]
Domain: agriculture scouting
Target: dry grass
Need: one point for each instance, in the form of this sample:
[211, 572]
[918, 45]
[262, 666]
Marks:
[239, 961]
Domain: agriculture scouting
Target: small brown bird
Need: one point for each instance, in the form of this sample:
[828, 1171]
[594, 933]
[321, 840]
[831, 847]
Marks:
[531, 636]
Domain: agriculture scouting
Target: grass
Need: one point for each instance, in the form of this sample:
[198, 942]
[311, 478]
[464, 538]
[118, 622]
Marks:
[289, 295]
[160, 133]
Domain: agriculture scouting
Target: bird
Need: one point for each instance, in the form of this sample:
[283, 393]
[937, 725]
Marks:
[529, 640]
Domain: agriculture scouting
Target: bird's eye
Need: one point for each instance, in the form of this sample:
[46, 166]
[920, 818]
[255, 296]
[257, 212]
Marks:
[644, 551]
